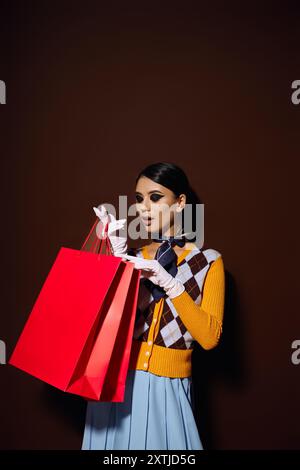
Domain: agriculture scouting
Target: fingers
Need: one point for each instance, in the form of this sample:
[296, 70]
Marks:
[101, 213]
[112, 217]
[134, 260]
[131, 257]
[97, 212]
[113, 220]
[118, 224]
[141, 265]
[145, 265]
[105, 216]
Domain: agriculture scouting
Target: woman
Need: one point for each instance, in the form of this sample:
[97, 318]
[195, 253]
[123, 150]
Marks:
[181, 300]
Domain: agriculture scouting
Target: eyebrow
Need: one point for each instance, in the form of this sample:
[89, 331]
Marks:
[150, 192]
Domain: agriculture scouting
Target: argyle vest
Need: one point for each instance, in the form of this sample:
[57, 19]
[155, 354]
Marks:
[172, 333]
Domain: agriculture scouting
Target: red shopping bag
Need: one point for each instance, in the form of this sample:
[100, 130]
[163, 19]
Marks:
[79, 333]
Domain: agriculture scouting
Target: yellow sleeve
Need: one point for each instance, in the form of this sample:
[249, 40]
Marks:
[204, 321]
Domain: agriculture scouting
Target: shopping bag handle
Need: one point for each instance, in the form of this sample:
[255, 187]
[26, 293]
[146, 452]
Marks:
[98, 243]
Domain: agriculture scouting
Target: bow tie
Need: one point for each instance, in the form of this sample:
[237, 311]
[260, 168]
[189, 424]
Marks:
[171, 240]
[167, 257]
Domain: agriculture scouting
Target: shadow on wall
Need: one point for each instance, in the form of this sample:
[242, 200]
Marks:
[70, 411]
[225, 363]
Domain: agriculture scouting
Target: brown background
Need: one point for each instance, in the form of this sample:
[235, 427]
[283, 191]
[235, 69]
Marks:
[95, 93]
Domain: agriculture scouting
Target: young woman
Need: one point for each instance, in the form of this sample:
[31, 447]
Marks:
[181, 300]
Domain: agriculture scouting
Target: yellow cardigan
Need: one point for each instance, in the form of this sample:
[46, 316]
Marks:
[204, 322]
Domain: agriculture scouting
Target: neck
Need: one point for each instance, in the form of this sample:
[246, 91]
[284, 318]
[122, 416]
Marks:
[164, 233]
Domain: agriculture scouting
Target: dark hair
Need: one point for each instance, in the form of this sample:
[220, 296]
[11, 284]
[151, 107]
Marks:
[174, 178]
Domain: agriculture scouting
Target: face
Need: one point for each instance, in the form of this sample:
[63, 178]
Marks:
[157, 207]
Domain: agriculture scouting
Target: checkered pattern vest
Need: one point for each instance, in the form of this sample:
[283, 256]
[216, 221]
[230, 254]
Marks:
[172, 333]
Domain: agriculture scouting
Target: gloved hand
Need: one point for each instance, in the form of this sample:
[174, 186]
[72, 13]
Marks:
[156, 273]
[119, 244]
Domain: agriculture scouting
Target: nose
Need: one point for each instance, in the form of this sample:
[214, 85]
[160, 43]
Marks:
[145, 206]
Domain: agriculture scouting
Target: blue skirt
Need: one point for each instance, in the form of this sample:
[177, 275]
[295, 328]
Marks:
[157, 414]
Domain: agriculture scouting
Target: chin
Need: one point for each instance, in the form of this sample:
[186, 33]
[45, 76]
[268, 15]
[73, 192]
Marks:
[152, 229]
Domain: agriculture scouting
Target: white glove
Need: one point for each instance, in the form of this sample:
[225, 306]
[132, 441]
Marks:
[119, 244]
[156, 273]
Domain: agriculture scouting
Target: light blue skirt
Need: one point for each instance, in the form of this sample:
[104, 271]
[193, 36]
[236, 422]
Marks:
[157, 414]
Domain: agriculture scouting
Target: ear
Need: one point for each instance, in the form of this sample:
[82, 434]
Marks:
[181, 203]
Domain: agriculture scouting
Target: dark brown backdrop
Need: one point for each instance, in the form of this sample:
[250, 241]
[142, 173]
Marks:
[95, 93]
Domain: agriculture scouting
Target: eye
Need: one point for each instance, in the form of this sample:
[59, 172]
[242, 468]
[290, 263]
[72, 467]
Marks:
[138, 198]
[155, 197]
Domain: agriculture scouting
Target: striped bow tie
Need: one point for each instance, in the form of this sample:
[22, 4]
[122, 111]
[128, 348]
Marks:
[167, 257]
